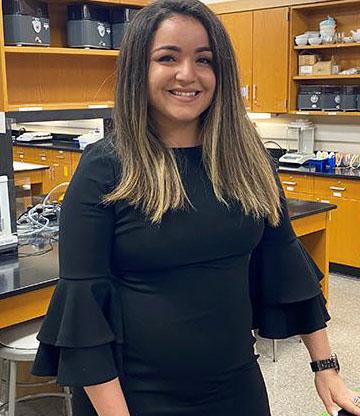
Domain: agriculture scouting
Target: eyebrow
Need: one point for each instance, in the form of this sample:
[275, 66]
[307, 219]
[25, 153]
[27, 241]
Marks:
[177, 49]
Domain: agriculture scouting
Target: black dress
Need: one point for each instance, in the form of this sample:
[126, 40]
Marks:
[169, 308]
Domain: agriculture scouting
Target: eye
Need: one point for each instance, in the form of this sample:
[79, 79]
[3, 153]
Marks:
[205, 61]
[166, 58]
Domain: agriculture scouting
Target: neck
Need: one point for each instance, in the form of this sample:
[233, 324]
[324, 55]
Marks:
[180, 134]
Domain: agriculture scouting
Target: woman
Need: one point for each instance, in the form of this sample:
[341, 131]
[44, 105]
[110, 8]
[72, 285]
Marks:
[154, 308]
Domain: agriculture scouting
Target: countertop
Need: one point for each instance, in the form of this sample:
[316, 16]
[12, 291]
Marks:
[341, 173]
[69, 146]
[19, 275]
[23, 274]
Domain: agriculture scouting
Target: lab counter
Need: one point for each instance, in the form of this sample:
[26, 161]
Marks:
[343, 173]
[27, 283]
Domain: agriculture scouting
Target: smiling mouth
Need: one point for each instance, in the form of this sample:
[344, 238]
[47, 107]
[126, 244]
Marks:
[184, 93]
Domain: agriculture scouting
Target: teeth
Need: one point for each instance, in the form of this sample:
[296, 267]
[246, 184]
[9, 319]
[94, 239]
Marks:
[184, 94]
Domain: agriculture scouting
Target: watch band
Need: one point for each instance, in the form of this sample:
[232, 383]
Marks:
[327, 364]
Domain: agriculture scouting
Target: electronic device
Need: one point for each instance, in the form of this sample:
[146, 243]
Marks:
[349, 98]
[304, 133]
[34, 136]
[120, 20]
[8, 241]
[296, 158]
[310, 97]
[88, 26]
[26, 22]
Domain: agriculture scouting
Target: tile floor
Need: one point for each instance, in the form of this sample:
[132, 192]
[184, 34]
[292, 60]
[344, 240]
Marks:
[290, 380]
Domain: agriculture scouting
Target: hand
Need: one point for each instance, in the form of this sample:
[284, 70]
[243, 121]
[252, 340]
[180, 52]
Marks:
[333, 391]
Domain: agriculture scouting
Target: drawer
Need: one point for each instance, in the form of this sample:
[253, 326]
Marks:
[337, 188]
[297, 183]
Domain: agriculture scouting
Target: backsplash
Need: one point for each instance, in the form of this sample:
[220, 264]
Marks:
[338, 134]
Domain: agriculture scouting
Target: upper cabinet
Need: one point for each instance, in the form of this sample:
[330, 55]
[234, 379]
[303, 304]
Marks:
[260, 40]
[57, 77]
[322, 92]
[240, 29]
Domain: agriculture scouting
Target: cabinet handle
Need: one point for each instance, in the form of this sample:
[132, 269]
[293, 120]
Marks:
[337, 188]
[254, 92]
[60, 157]
[289, 183]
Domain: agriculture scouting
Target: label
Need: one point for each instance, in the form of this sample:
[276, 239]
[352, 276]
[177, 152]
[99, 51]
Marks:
[98, 106]
[290, 188]
[2, 123]
[30, 108]
[338, 194]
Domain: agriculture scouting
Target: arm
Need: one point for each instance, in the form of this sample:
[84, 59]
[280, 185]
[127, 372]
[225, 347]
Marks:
[108, 398]
[331, 388]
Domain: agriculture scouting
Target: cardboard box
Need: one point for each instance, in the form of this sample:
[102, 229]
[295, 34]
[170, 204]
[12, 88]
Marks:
[306, 69]
[326, 68]
[308, 59]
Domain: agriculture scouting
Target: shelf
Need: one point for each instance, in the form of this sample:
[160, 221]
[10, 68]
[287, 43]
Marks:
[328, 46]
[60, 106]
[59, 51]
[312, 77]
[327, 113]
[139, 3]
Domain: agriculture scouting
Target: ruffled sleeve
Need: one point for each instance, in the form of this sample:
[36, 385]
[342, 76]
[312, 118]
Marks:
[285, 283]
[82, 333]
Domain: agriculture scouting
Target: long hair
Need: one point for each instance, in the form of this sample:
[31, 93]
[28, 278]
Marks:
[234, 157]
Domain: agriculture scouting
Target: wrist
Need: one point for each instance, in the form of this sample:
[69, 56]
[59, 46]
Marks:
[330, 363]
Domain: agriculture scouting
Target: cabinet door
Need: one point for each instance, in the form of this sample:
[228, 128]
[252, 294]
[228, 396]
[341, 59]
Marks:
[240, 28]
[270, 60]
[344, 230]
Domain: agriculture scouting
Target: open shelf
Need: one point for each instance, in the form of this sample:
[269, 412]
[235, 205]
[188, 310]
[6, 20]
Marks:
[328, 46]
[305, 18]
[310, 77]
[59, 51]
[326, 113]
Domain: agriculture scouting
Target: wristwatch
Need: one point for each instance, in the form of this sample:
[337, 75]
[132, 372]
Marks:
[321, 365]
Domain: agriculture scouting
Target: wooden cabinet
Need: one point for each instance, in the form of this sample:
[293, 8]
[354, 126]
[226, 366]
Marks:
[344, 225]
[260, 40]
[298, 186]
[75, 159]
[345, 220]
[240, 29]
[57, 77]
[306, 18]
[61, 163]
[270, 60]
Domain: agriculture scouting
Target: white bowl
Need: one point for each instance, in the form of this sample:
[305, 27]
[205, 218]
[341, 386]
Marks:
[313, 34]
[301, 41]
[315, 41]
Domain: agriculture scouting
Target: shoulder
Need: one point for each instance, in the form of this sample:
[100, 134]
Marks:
[99, 162]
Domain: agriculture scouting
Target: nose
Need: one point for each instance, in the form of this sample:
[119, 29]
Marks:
[186, 72]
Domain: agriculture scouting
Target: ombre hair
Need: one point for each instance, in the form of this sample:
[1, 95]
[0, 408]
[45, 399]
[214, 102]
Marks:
[234, 157]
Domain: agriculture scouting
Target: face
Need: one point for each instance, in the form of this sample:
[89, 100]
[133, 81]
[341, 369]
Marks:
[181, 79]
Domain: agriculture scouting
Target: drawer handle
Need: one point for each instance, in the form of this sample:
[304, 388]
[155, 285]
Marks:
[289, 183]
[337, 188]
[60, 157]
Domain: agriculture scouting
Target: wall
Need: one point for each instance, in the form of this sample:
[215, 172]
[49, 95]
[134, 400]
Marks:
[332, 133]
